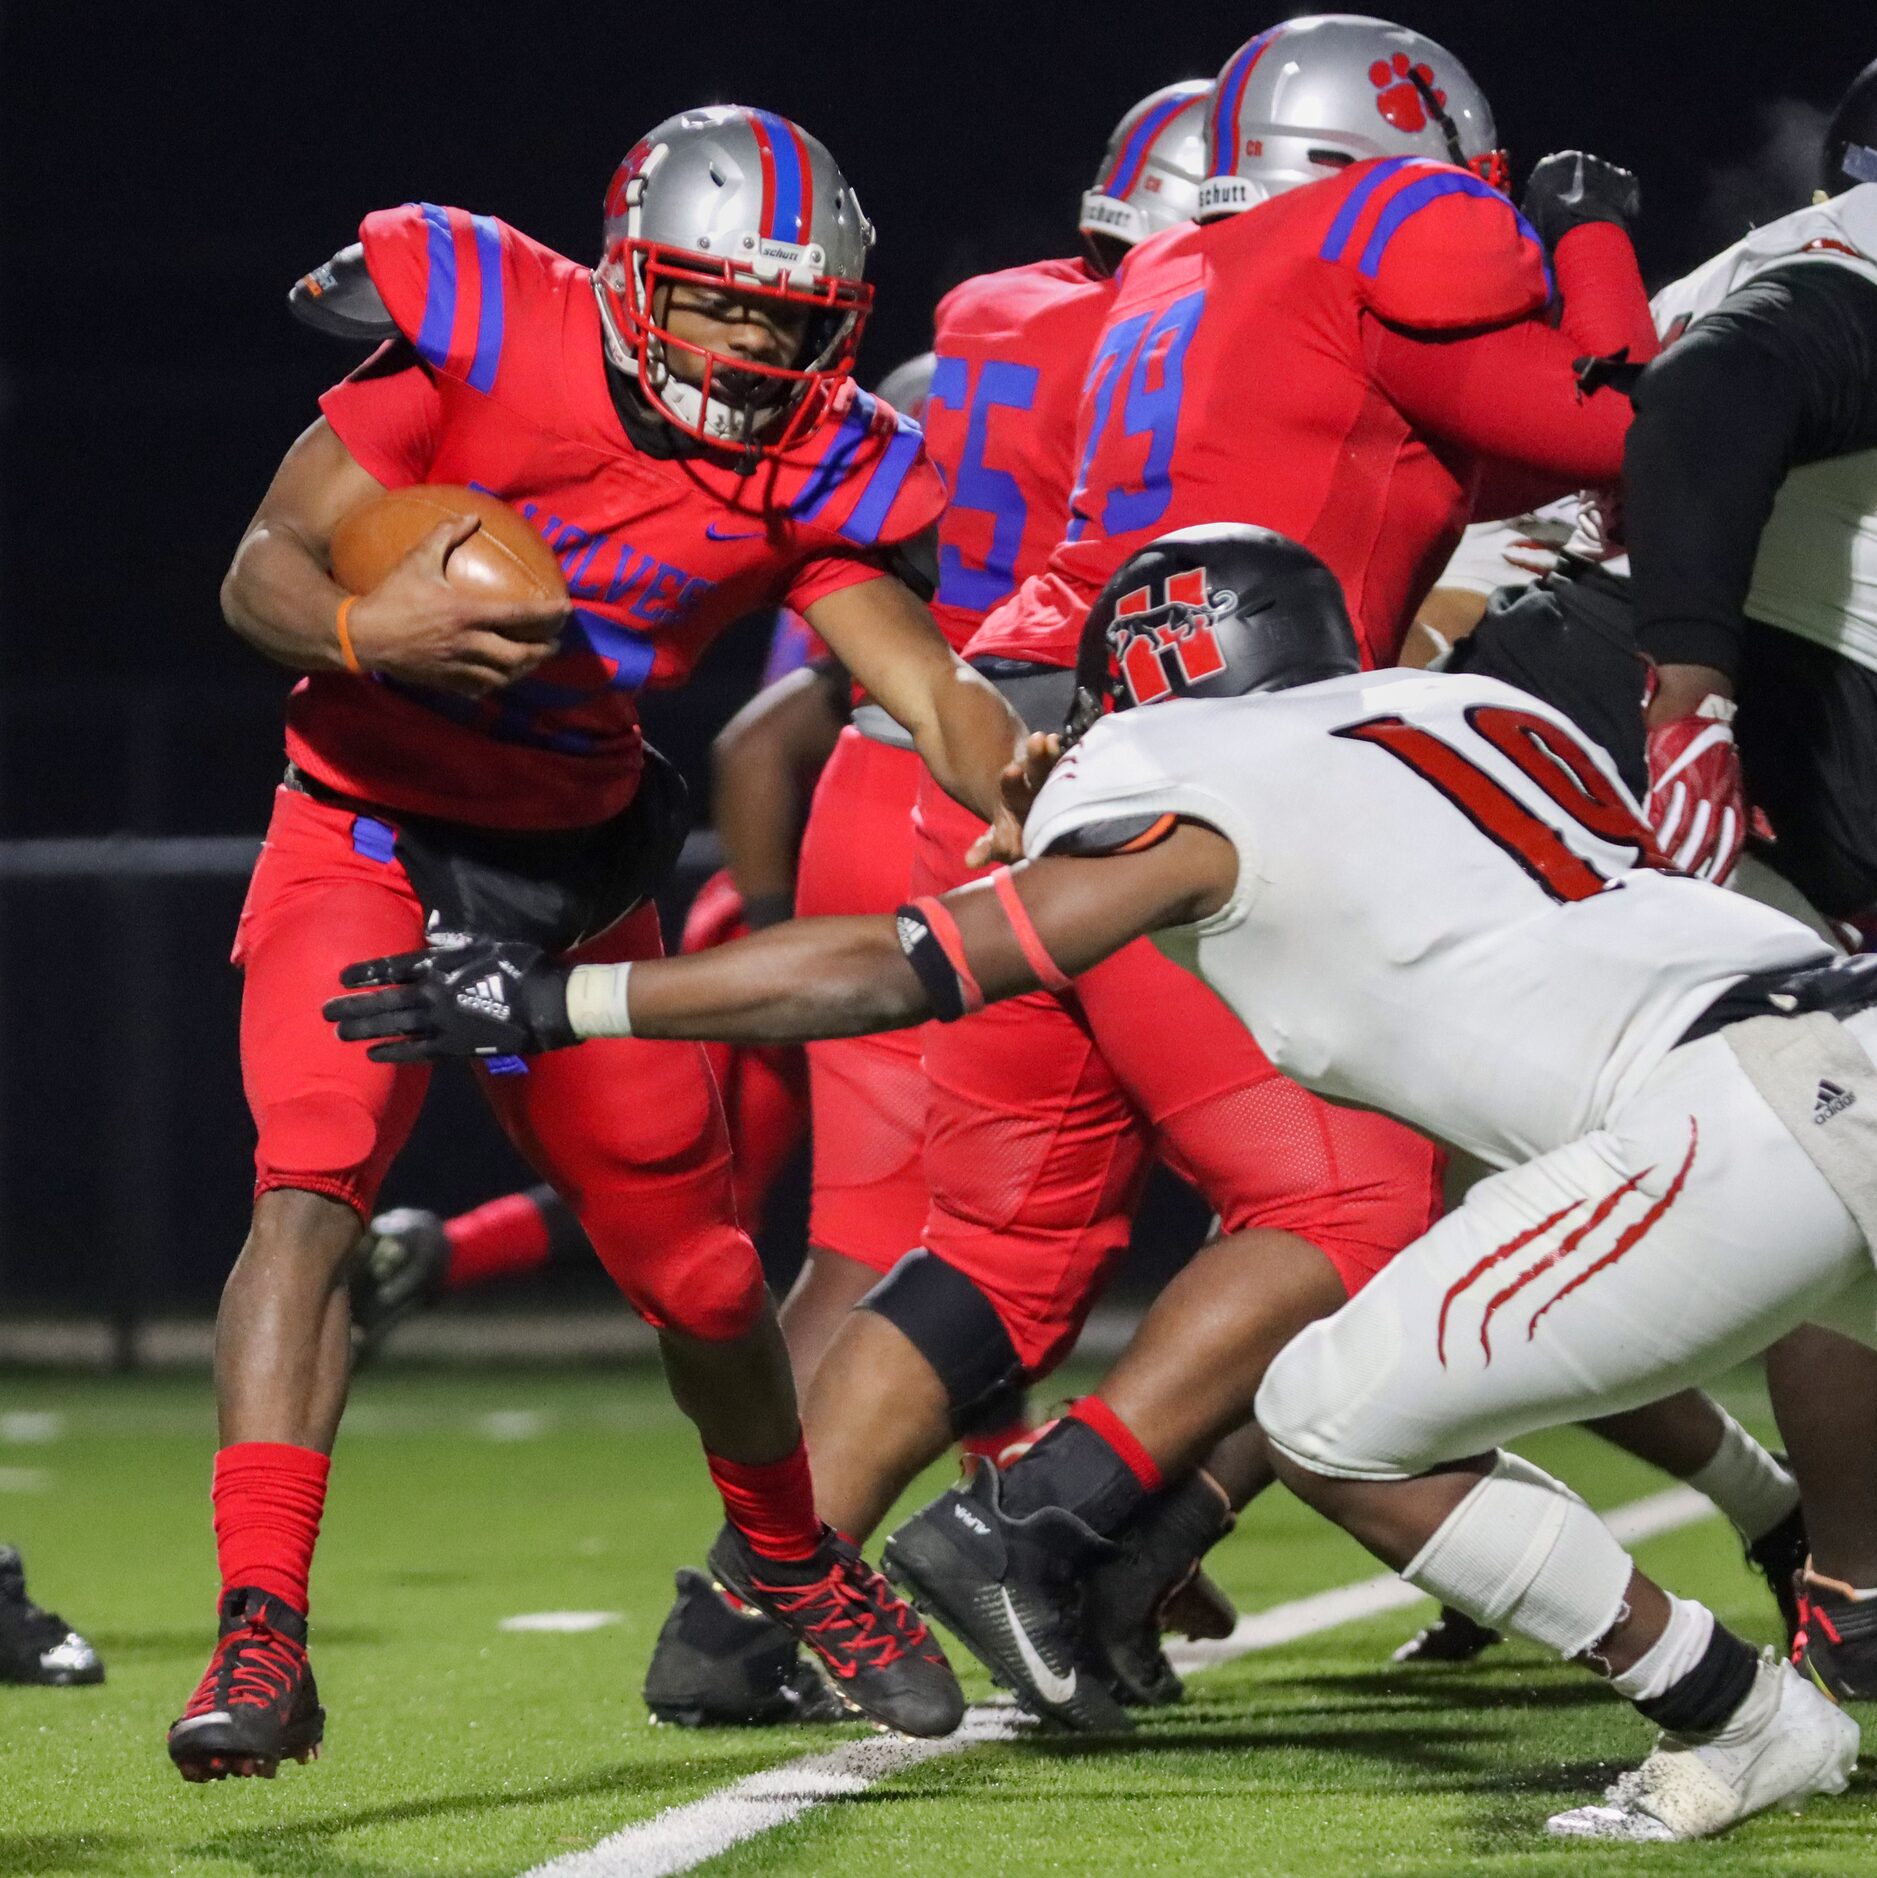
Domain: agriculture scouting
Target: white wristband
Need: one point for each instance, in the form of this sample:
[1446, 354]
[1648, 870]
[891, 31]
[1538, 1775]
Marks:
[596, 1001]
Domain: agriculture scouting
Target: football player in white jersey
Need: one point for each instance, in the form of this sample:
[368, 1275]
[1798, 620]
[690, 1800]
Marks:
[1750, 510]
[1423, 894]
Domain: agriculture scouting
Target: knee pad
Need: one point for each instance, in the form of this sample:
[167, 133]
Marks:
[954, 1326]
[1004, 1408]
[323, 1132]
[709, 1285]
[1523, 1553]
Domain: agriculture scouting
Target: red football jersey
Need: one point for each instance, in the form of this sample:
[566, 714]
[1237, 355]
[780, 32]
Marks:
[1000, 422]
[660, 555]
[1274, 367]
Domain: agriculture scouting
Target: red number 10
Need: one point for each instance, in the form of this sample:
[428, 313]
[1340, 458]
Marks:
[1549, 757]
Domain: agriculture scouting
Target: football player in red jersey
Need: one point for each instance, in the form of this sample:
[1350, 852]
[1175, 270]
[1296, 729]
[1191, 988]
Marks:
[763, 768]
[1242, 366]
[682, 427]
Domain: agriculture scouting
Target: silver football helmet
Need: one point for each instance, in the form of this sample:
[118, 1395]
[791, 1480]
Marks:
[742, 200]
[1315, 94]
[1150, 174]
[907, 386]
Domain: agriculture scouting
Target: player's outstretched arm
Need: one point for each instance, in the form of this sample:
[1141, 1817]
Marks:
[963, 728]
[1038, 924]
[279, 595]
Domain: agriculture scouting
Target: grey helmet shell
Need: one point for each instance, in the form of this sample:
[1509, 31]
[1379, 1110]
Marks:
[748, 196]
[1316, 93]
[1151, 171]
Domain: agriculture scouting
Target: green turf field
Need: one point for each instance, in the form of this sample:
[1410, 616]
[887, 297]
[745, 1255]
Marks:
[455, 1747]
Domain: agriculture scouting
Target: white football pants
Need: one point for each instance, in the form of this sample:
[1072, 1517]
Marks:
[1681, 1238]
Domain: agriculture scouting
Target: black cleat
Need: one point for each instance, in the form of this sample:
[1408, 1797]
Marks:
[1779, 1557]
[1835, 1642]
[400, 1270]
[880, 1660]
[1453, 1637]
[38, 1646]
[722, 1665]
[256, 1704]
[1125, 1600]
[1008, 1589]
[1201, 1610]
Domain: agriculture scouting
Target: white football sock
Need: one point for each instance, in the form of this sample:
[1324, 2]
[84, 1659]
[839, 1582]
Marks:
[1746, 1482]
[1672, 1655]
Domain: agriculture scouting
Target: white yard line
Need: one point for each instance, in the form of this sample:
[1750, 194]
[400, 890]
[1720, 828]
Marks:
[683, 1837]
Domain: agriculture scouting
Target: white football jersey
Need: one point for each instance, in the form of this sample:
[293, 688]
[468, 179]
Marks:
[1439, 911]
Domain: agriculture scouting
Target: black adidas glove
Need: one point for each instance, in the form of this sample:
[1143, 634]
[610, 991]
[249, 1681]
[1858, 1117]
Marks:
[1571, 188]
[461, 996]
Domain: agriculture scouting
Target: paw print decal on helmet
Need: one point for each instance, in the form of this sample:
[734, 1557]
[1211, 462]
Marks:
[1398, 97]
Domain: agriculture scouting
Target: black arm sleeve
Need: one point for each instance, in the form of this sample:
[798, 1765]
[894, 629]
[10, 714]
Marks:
[1784, 372]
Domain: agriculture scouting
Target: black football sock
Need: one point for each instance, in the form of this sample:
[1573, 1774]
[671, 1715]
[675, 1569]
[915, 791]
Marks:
[1074, 1468]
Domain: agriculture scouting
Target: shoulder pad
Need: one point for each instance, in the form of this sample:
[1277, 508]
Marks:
[1124, 834]
[1436, 248]
[443, 277]
[338, 298]
[868, 478]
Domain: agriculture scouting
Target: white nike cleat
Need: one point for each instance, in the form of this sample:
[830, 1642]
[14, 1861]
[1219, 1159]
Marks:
[1785, 1743]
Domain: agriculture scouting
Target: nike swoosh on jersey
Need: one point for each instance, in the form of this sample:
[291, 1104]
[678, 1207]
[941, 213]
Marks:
[743, 534]
[1050, 1686]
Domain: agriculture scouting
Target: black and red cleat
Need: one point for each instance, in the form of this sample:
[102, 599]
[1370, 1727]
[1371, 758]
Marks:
[880, 1659]
[1835, 1645]
[256, 1704]
[1779, 1557]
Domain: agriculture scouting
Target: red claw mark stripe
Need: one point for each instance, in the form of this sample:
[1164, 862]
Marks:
[1633, 1235]
[1491, 1259]
[1563, 1250]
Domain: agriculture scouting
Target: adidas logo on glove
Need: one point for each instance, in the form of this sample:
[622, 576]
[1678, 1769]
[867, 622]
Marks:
[485, 996]
[1832, 1099]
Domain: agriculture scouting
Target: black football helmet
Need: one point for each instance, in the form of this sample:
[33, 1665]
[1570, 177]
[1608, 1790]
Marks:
[1851, 136]
[1217, 611]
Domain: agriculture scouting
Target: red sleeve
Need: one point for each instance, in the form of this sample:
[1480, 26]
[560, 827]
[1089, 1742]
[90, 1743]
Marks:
[388, 414]
[1509, 394]
[1437, 249]
[1606, 306]
[398, 256]
[822, 574]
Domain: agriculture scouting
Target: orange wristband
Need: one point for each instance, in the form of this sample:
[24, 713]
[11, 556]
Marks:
[345, 635]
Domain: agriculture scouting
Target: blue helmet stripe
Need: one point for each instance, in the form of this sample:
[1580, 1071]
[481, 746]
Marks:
[433, 337]
[489, 312]
[1355, 202]
[787, 217]
[1134, 151]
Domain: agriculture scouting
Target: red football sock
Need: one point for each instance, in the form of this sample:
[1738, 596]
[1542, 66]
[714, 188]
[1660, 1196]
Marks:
[268, 1498]
[1096, 1414]
[502, 1239]
[772, 1503]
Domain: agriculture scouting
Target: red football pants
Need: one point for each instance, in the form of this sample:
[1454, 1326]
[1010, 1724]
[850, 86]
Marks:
[630, 1133]
[1046, 1111]
[867, 1095]
[764, 1086]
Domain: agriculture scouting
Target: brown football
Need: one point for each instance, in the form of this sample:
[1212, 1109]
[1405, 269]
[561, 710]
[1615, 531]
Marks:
[504, 559]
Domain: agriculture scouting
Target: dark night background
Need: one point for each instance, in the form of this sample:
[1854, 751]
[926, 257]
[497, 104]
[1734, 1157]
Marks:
[170, 171]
